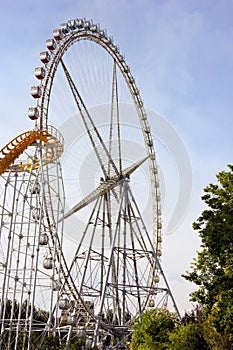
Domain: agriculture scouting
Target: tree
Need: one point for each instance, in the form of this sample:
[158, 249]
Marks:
[153, 330]
[190, 334]
[187, 337]
[212, 270]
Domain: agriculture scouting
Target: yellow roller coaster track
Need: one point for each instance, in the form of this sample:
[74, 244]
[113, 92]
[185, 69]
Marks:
[50, 137]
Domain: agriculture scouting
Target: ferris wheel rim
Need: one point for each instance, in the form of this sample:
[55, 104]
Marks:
[81, 30]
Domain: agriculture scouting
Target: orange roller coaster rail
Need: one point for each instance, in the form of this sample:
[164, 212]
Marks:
[50, 137]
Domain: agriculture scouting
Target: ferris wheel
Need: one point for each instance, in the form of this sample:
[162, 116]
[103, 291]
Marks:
[81, 226]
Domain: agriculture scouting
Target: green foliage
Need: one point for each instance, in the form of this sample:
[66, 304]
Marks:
[187, 337]
[50, 343]
[212, 270]
[153, 330]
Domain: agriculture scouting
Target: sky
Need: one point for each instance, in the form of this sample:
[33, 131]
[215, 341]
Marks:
[180, 53]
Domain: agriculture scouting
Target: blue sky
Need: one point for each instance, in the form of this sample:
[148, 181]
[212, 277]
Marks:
[180, 53]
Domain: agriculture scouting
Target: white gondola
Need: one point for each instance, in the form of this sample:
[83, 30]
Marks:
[159, 252]
[34, 187]
[106, 39]
[44, 239]
[51, 44]
[131, 79]
[102, 33]
[152, 157]
[65, 28]
[72, 24]
[56, 285]
[94, 28]
[126, 68]
[144, 116]
[36, 214]
[48, 263]
[159, 239]
[121, 58]
[156, 279]
[58, 34]
[45, 57]
[72, 320]
[33, 113]
[64, 303]
[116, 50]
[150, 143]
[147, 129]
[140, 102]
[39, 73]
[159, 225]
[36, 91]
[87, 24]
[80, 22]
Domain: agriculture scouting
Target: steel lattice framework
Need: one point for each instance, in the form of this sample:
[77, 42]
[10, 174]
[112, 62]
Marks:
[115, 273]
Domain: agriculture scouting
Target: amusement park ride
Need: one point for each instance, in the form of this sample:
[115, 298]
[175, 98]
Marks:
[114, 273]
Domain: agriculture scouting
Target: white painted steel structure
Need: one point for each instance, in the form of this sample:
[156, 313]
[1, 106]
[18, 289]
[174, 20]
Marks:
[115, 273]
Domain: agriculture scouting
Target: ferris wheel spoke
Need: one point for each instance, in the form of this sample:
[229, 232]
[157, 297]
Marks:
[115, 121]
[93, 133]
